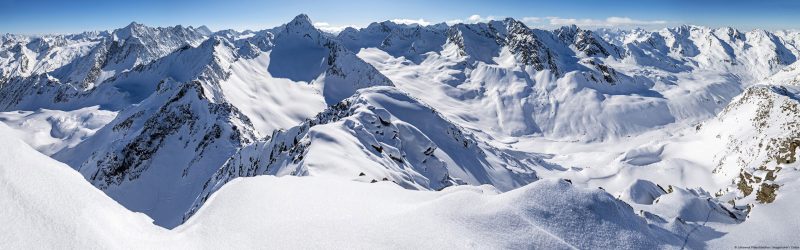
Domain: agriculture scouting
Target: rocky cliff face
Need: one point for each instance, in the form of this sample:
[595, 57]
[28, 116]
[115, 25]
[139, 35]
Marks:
[760, 131]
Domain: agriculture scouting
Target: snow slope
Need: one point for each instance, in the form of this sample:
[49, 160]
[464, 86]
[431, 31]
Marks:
[61, 209]
[387, 136]
[46, 204]
[759, 133]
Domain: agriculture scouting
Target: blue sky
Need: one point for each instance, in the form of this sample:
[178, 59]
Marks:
[49, 16]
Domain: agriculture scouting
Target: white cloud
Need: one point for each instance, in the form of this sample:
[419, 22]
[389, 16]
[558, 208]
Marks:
[608, 22]
[411, 21]
[531, 19]
[471, 19]
[480, 19]
[627, 21]
[569, 21]
[474, 18]
[327, 27]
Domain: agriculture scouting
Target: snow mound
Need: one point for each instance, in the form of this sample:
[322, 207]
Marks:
[547, 214]
[644, 155]
[694, 205]
[642, 192]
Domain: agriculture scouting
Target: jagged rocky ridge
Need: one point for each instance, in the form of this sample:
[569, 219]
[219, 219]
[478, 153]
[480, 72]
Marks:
[388, 136]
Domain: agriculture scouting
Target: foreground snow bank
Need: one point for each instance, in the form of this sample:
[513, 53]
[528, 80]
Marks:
[48, 205]
[319, 213]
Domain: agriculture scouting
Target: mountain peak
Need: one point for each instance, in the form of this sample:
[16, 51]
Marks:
[302, 25]
[510, 19]
[133, 25]
[204, 30]
[129, 30]
[440, 26]
[572, 27]
[302, 20]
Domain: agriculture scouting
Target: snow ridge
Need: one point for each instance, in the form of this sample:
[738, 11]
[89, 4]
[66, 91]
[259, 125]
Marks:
[401, 141]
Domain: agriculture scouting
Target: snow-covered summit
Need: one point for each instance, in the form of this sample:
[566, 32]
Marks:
[300, 24]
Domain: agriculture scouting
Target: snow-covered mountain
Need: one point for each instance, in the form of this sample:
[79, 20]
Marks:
[49, 71]
[680, 137]
[560, 84]
[410, 41]
[387, 136]
[204, 103]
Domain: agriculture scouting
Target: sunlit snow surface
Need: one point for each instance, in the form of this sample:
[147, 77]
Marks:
[49, 199]
[488, 135]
